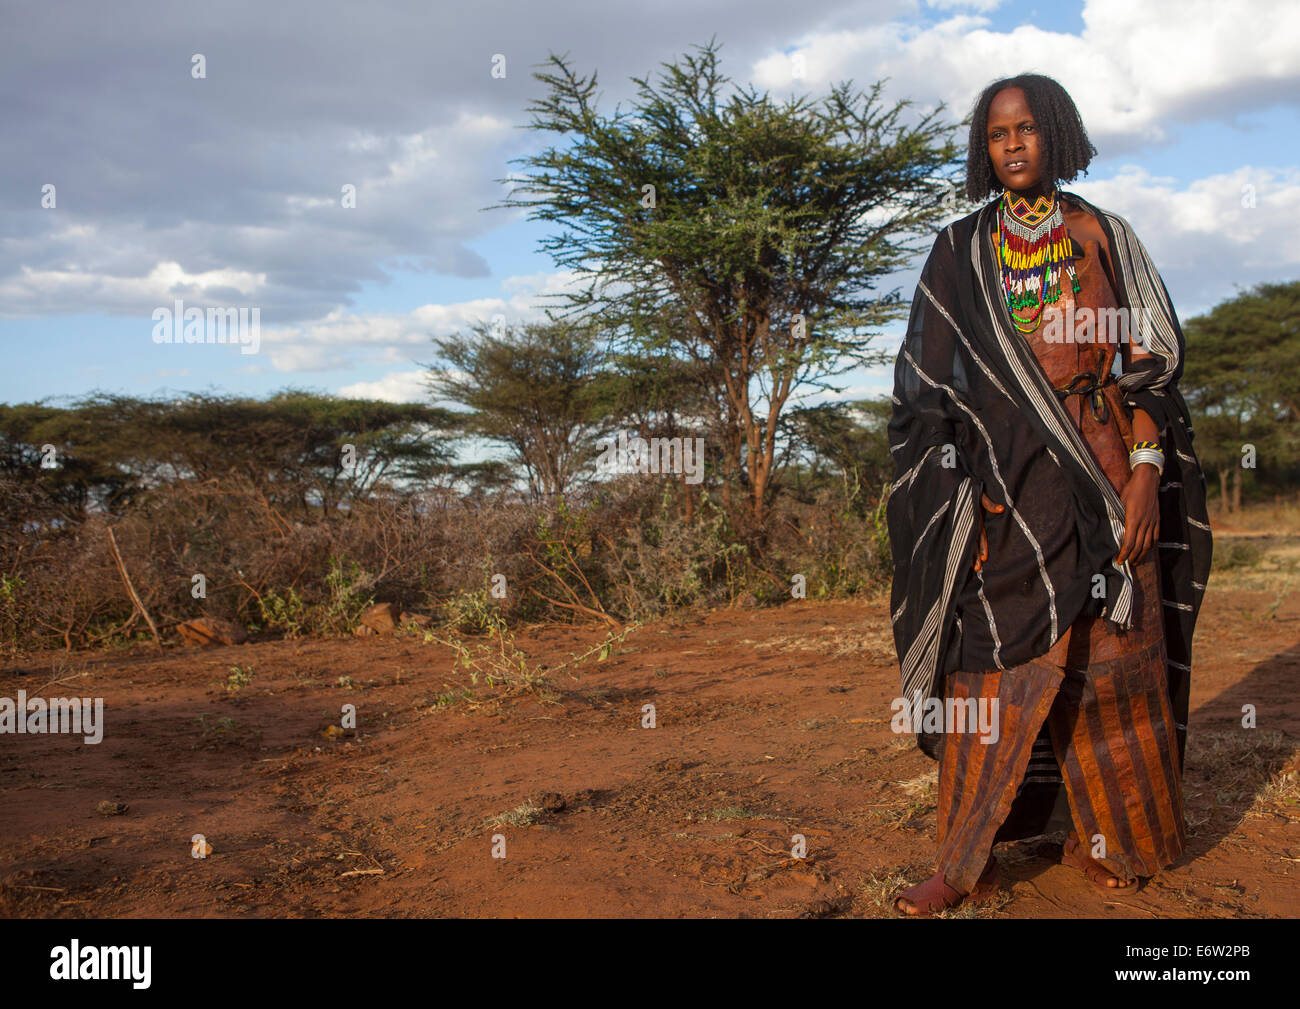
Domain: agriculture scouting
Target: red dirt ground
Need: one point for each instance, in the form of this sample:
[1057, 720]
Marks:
[771, 723]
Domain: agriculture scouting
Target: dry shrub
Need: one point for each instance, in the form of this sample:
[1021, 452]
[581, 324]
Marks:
[620, 553]
[839, 542]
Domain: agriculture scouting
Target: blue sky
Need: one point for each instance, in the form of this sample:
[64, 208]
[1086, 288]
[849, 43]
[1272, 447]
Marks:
[224, 190]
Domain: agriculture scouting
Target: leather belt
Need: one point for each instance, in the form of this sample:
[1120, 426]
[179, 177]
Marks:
[1085, 384]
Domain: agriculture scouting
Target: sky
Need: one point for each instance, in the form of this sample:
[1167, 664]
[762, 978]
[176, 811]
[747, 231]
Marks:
[225, 189]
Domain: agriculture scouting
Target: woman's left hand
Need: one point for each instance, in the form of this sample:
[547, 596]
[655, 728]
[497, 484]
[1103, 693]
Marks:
[1141, 513]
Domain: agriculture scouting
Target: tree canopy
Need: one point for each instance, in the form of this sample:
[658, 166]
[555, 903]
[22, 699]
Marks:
[743, 234]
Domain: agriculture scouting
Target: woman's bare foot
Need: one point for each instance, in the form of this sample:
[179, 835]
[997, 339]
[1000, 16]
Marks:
[924, 899]
[1098, 875]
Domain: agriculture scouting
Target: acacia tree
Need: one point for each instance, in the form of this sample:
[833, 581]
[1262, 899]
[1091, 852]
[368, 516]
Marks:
[763, 226]
[534, 388]
[849, 438]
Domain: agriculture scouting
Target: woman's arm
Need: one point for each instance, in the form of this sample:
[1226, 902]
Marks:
[1141, 510]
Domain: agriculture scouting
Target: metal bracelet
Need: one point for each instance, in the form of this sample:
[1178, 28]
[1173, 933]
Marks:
[1151, 455]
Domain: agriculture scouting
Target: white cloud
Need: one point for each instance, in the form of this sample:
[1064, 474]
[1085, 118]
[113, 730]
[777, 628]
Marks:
[395, 387]
[165, 282]
[344, 339]
[1137, 66]
[282, 239]
[1206, 238]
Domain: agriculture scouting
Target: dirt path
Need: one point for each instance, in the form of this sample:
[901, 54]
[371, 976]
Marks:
[770, 723]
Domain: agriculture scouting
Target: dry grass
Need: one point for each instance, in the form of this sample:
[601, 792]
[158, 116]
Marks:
[834, 641]
[878, 889]
[524, 815]
[1254, 769]
[1282, 519]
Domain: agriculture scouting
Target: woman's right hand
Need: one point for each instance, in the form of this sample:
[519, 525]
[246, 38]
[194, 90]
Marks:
[996, 509]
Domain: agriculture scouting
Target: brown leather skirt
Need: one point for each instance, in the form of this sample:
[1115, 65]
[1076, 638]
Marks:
[1090, 748]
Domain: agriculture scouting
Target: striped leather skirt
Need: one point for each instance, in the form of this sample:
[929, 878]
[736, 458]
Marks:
[1086, 741]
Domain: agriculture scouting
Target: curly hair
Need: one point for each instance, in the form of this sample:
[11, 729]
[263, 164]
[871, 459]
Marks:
[1065, 145]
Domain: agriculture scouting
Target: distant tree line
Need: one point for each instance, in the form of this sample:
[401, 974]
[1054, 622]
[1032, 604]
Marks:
[1242, 385]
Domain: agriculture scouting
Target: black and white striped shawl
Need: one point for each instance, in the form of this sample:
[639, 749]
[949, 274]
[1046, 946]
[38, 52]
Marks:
[974, 413]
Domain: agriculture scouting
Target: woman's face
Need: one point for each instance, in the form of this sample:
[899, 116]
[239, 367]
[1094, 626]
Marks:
[1013, 142]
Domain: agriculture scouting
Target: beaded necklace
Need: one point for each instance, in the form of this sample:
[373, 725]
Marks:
[1033, 247]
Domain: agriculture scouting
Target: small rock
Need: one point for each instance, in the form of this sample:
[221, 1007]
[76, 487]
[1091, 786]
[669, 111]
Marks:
[820, 909]
[205, 631]
[382, 617]
[107, 808]
[552, 802]
[671, 765]
[364, 632]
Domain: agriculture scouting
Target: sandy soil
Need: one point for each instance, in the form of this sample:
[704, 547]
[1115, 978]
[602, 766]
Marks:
[770, 723]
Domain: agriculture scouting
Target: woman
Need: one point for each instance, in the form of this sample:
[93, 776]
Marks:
[1048, 523]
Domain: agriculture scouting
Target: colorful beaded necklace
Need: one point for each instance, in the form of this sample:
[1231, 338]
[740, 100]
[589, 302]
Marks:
[1033, 247]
